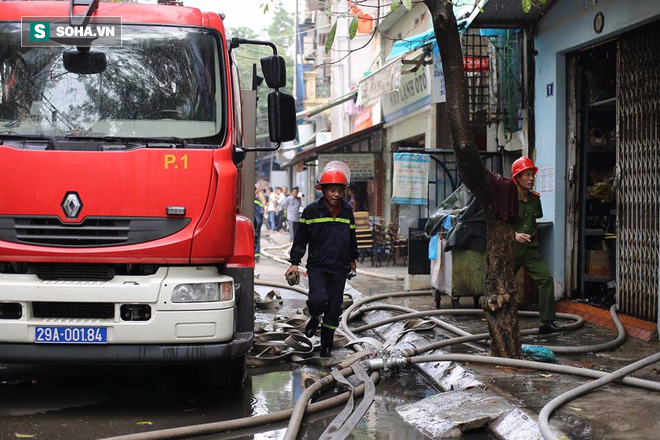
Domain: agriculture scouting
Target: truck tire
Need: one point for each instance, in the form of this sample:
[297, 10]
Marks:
[229, 374]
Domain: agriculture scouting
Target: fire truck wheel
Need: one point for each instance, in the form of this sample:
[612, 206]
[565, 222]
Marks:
[229, 374]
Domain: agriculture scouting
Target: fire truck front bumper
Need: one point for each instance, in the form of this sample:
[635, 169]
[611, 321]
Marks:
[123, 320]
[126, 354]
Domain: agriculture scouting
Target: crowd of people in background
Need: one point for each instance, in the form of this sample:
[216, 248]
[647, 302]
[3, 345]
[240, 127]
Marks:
[282, 208]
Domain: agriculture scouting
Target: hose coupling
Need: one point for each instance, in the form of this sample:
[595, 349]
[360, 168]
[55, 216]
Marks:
[392, 362]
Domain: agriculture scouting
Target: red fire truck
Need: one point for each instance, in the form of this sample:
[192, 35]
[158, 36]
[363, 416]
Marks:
[121, 237]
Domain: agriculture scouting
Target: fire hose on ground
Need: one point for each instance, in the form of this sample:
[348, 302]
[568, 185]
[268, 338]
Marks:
[414, 356]
[302, 268]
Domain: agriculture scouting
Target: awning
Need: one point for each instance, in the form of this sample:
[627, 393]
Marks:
[411, 43]
[484, 14]
[465, 12]
[311, 153]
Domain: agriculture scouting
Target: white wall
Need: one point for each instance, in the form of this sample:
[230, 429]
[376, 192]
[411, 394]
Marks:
[347, 71]
[568, 27]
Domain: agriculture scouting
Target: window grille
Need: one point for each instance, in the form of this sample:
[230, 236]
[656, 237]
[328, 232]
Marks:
[494, 77]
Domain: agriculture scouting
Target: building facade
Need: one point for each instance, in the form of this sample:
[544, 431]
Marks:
[597, 142]
[574, 85]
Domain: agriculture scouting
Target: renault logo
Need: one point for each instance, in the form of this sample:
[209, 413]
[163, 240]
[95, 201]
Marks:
[71, 205]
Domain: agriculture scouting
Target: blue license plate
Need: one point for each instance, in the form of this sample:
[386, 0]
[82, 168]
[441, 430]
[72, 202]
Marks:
[71, 335]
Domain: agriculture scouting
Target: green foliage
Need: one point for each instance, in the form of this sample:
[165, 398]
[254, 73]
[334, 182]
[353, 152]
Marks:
[407, 4]
[331, 38]
[352, 29]
[246, 55]
[526, 6]
[395, 4]
[280, 31]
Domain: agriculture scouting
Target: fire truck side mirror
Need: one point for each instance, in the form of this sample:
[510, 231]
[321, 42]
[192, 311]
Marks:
[281, 117]
[84, 62]
[274, 69]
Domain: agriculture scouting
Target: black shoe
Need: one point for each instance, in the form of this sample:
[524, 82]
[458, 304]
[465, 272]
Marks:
[312, 325]
[550, 327]
[327, 337]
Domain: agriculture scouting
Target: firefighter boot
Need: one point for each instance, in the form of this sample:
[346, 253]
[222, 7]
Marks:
[327, 336]
[312, 325]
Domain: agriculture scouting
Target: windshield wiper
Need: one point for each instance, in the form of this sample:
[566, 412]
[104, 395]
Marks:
[31, 137]
[149, 142]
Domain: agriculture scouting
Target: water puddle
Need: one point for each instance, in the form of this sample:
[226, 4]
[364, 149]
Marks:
[274, 391]
[64, 403]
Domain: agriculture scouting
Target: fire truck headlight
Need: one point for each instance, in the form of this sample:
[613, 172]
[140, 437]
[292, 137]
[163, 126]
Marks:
[202, 292]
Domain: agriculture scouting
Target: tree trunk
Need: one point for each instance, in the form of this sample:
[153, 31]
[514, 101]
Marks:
[499, 300]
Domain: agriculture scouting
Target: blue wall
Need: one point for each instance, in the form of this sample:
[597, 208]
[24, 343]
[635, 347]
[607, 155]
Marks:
[566, 28]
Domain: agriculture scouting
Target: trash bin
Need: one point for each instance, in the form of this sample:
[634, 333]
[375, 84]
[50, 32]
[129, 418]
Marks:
[468, 272]
[418, 252]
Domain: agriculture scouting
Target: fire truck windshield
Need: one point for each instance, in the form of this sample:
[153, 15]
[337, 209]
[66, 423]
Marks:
[161, 82]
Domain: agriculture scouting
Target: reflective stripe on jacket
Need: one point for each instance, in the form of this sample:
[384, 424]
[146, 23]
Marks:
[331, 240]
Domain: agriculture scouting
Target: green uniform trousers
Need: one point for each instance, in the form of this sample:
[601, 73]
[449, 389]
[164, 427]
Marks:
[530, 258]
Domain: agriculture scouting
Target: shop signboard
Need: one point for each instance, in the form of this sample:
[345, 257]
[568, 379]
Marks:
[362, 165]
[414, 94]
[380, 82]
[410, 185]
[363, 120]
[439, 87]
[475, 64]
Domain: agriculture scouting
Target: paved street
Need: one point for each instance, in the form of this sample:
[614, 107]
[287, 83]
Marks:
[67, 402]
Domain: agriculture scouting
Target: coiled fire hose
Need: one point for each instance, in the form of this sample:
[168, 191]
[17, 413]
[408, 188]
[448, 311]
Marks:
[296, 414]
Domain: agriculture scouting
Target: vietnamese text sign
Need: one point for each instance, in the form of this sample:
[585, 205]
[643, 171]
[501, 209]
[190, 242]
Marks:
[414, 94]
[360, 164]
[475, 64]
[411, 179]
[439, 87]
[382, 81]
[545, 180]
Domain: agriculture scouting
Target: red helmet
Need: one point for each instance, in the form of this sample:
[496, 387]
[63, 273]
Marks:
[331, 176]
[522, 164]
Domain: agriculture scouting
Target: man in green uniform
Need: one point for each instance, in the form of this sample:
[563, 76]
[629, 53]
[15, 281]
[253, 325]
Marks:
[527, 243]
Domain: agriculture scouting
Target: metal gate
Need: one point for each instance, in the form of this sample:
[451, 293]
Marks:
[638, 173]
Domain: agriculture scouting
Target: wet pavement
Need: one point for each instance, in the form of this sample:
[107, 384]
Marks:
[84, 403]
[69, 402]
[96, 402]
[613, 412]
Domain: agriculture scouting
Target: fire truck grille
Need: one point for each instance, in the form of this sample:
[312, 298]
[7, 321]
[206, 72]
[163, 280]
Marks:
[91, 232]
[75, 272]
[73, 310]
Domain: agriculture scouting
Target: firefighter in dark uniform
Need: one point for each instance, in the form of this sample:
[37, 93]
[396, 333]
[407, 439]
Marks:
[258, 221]
[527, 252]
[328, 227]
